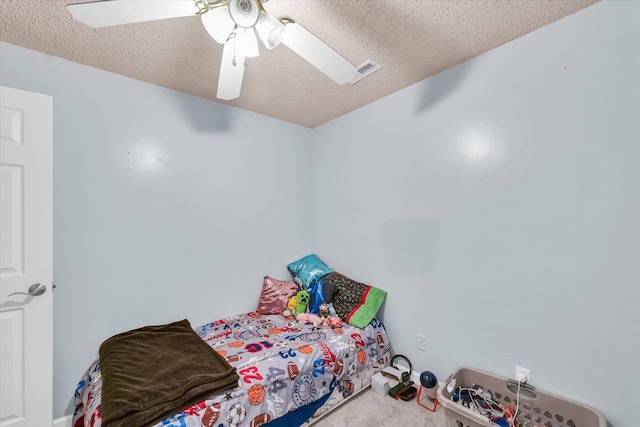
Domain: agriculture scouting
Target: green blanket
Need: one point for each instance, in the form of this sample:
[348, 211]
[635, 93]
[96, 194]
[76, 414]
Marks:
[153, 372]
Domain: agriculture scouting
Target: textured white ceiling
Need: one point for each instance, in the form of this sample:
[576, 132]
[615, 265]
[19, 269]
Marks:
[411, 39]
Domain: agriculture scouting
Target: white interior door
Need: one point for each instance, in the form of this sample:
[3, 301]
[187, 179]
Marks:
[26, 327]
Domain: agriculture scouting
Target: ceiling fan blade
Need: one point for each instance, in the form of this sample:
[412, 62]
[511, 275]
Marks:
[318, 53]
[231, 73]
[99, 14]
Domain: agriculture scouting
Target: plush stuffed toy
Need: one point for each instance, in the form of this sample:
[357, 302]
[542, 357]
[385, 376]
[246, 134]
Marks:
[287, 313]
[324, 310]
[290, 307]
[314, 319]
[292, 303]
[332, 311]
[302, 302]
[334, 322]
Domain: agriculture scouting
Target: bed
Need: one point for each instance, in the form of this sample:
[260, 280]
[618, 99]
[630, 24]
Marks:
[282, 365]
[259, 368]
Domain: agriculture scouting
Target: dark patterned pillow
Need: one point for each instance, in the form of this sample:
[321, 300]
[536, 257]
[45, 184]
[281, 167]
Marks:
[328, 289]
[275, 294]
[354, 302]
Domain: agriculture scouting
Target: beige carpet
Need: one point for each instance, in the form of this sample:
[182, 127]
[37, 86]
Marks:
[371, 409]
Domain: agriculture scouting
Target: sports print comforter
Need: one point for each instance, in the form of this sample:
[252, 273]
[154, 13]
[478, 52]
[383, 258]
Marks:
[282, 364]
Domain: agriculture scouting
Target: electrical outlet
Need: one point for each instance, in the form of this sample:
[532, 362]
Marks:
[523, 375]
[421, 342]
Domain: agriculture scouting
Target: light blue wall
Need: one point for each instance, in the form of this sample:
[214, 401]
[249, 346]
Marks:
[166, 206]
[498, 204]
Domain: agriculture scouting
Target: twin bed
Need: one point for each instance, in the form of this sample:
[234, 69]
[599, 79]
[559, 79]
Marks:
[249, 370]
[284, 367]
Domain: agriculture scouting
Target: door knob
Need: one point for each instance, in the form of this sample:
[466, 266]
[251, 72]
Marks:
[35, 290]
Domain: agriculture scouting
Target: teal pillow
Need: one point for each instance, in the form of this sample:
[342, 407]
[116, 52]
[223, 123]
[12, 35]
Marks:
[307, 270]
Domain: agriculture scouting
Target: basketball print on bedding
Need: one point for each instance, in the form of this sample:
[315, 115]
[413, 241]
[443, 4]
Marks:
[256, 394]
[306, 349]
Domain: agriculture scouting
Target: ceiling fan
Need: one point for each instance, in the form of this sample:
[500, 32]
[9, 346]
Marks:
[233, 23]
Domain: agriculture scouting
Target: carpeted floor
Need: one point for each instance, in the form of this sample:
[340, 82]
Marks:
[371, 409]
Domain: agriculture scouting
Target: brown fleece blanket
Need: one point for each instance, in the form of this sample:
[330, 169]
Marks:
[153, 372]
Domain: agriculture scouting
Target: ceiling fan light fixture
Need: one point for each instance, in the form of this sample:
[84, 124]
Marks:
[270, 30]
[218, 24]
[245, 13]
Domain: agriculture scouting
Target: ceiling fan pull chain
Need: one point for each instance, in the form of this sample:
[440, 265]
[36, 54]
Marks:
[233, 36]
[202, 5]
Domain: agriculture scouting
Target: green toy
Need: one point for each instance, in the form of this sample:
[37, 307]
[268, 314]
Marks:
[302, 299]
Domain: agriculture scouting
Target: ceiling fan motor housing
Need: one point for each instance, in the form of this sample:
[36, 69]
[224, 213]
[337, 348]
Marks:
[245, 13]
